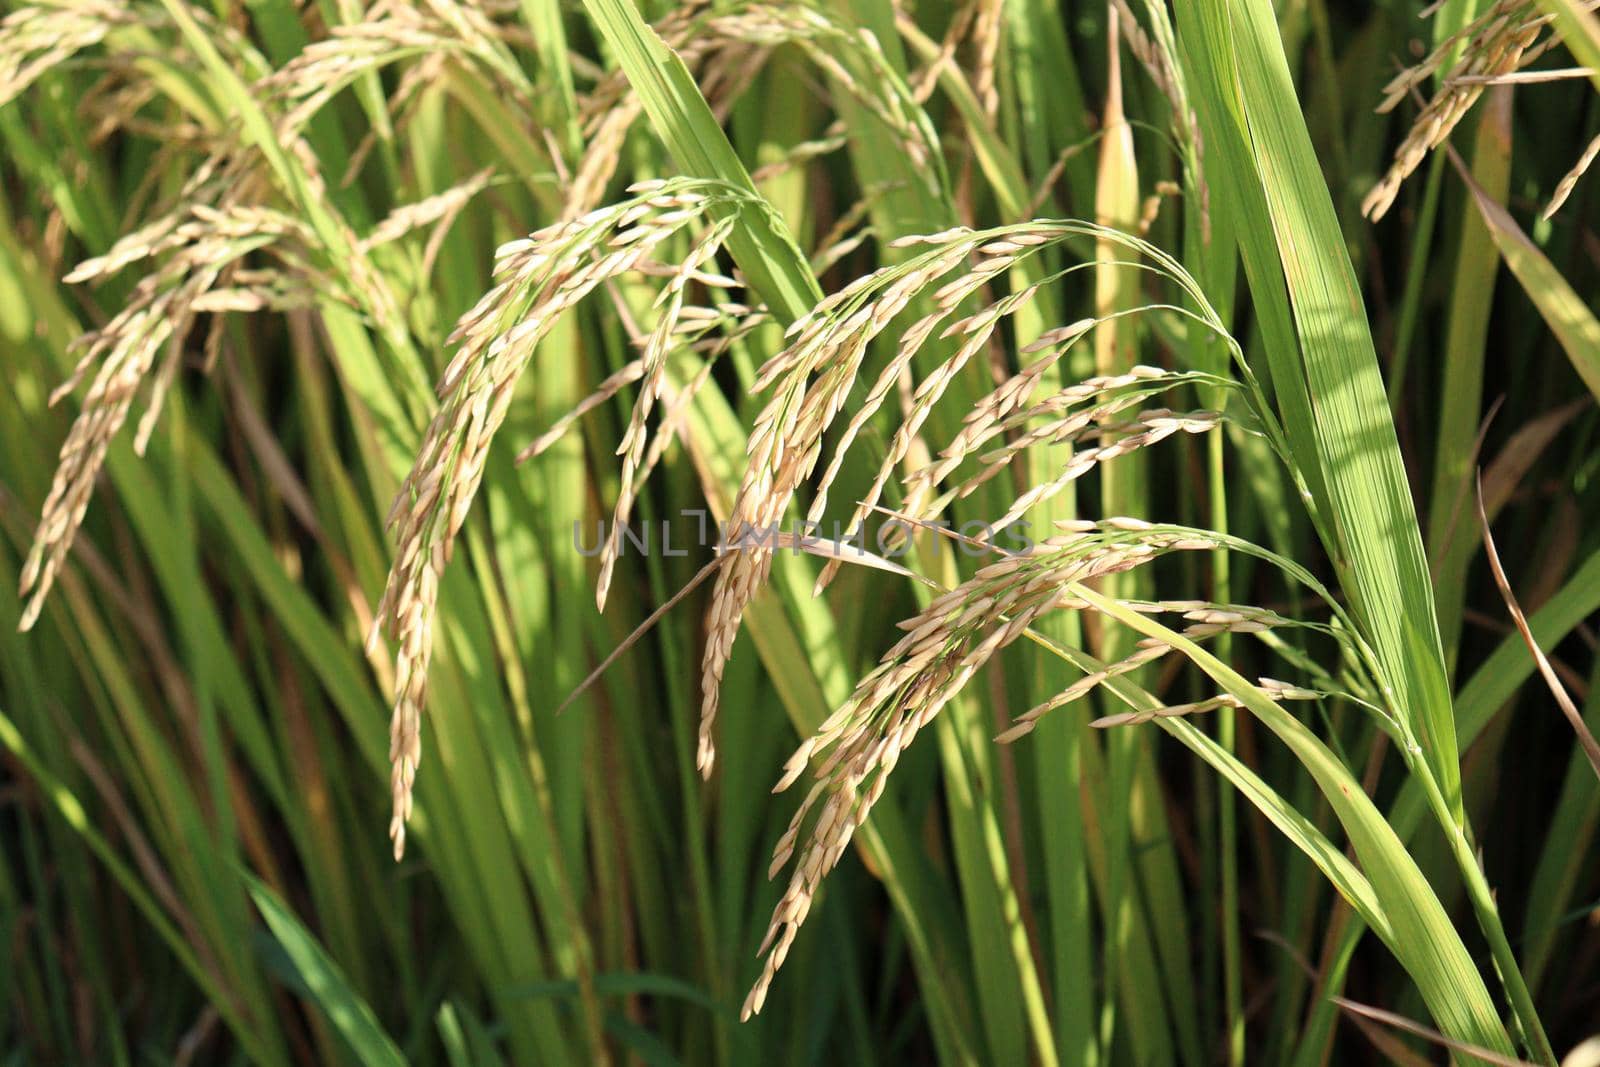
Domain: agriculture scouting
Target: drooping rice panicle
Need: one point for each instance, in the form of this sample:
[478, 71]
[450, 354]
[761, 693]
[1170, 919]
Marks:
[830, 343]
[1274, 690]
[846, 235]
[852, 754]
[610, 387]
[1003, 399]
[38, 36]
[926, 80]
[203, 247]
[1503, 40]
[390, 32]
[832, 47]
[539, 278]
[661, 340]
[441, 206]
[1050, 422]
[727, 49]
[832, 139]
[986, 43]
[1205, 622]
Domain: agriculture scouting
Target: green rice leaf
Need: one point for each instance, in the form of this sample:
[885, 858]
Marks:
[1370, 520]
[325, 982]
[1422, 936]
[761, 243]
[1563, 310]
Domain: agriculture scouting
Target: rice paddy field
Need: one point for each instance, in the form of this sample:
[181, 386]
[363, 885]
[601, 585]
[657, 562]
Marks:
[799, 533]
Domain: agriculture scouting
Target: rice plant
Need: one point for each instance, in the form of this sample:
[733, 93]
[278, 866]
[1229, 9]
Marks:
[972, 533]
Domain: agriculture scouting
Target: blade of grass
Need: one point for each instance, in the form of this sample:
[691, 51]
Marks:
[1568, 317]
[1376, 545]
[324, 982]
[69, 808]
[1375, 542]
[1484, 694]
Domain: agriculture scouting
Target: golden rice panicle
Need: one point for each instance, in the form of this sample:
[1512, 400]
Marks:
[538, 279]
[661, 341]
[203, 246]
[859, 745]
[35, 38]
[437, 31]
[1053, 421]
[441, 207]
[853, 62]
[710, 332]
[1205, 621]
[726, 50]
[1499, 42]
[1146, 429]
[1271, 688]
[976, 329]
[996, 251]
[786, 443]
[829, 344]
[856, 749]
